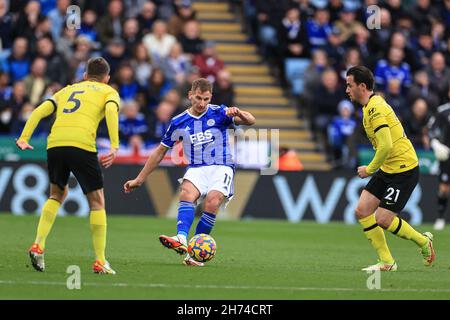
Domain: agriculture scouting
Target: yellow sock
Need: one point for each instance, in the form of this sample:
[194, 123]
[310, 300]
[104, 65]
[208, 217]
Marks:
[48, 215]
[98, 229]
[402, 229]
[375, 234]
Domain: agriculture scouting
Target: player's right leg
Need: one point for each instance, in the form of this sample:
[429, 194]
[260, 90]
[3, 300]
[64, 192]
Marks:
[58, 173]
[365, 212]
[186, 213]
[48, 216]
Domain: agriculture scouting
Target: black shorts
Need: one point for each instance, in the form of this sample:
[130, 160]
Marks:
[444, 171]
[83, 164]
[393, 189]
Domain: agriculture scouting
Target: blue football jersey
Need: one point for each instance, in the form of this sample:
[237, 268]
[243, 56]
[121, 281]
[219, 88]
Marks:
[204, 137]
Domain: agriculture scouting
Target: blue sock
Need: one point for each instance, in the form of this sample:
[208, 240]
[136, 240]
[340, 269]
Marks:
[186, 213]
[206, 223]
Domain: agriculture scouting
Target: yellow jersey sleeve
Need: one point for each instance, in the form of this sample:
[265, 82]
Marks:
[377, 114]
[42, 111]
[112, 107]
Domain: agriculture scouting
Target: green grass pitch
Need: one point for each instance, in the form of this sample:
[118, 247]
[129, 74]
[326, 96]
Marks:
[257, 259]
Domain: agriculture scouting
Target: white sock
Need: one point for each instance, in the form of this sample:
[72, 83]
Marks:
[182, 238]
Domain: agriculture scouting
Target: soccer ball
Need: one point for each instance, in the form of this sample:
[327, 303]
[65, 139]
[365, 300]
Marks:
[202, 247]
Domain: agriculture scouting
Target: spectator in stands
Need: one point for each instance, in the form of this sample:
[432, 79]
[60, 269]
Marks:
[36, 82]
[27, 19]
[88, 26]
[379, 37]
[208, 61]
[423, 12]
[6, 26]
[115, 54]
[340, 132]
[398, 40]
[190, 38]
[19, 98]
[142, 64]
[58, 17]
[56, 64]
[176, 65]
[42, 29]
[415, 123]
[293, 35]
[156, 89]
[18, 64]
[128, 86]
[361, 41]
[133, 7]
[334, 7]
[294, 50]
[439, 75]
[159, 41]
[133, 127]
[270, 13]
[438, 34]
[425, 48]
[223, 89]
[5, 88]
[172, 96]
[130, 35]
[288, 160]
[325, 101]
[352, 58]
[346, 25]
[109, 26]
[421, 88]
[159, 120]
[77, 62]
[183, 89]
[395, 97]
[66, 44]
[146, 18]
[394, 67]
[184, 12]
[320, 30]
[6, 111]
[395, 8]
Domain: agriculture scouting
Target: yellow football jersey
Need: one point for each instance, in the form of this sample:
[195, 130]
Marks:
[79, 109]
[377, 114]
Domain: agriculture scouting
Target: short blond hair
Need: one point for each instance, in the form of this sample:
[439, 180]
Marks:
[203, 84]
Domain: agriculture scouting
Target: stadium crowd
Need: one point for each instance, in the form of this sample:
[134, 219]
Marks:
[155, 50]
[313, 43]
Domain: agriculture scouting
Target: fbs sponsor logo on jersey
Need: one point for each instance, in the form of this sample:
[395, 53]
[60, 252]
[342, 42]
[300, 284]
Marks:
[201, 137]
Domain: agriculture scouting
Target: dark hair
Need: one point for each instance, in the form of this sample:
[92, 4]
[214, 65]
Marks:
[202, 84]
[362, 74]
[97, 68]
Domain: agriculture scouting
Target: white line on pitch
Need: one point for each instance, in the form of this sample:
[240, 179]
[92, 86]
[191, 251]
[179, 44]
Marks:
[190, 286]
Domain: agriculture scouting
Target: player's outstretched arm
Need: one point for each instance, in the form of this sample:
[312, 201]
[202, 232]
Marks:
[241, 117]
[45, 109]
[152, 162]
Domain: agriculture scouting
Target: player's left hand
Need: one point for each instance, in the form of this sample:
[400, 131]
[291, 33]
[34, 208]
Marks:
[362, 172]
[233, 112]
[22, 145]
[108, 160]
